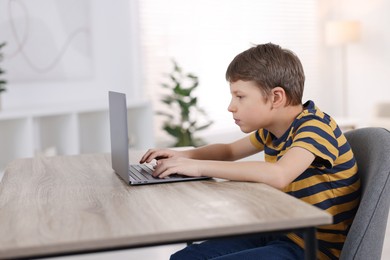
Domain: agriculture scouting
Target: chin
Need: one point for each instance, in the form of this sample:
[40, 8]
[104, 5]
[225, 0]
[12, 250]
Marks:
[246, 130]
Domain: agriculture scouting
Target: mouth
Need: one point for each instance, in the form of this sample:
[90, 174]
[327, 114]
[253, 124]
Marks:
[237, 121]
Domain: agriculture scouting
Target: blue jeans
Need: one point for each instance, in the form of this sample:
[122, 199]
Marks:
[243, 248]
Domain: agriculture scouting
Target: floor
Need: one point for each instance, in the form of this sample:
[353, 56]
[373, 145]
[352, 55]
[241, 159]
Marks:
[163, 252]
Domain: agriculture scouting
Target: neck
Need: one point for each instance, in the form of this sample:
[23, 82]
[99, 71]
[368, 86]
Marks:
[284, 118]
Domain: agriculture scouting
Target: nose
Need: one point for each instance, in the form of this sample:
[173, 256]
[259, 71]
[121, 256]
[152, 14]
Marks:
[231, 108]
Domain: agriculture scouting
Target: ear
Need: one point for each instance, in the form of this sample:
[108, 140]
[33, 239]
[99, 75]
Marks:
[278, 97]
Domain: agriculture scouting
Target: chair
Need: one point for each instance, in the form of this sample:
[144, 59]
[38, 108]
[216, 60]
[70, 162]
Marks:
[371, 147]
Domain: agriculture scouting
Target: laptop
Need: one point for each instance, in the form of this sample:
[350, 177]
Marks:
[134, 174]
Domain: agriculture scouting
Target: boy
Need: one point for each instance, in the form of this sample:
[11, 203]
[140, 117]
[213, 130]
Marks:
[306, 156]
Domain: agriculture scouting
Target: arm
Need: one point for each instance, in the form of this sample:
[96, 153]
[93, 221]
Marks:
[224, 152]
[221, 152]
[278, 174]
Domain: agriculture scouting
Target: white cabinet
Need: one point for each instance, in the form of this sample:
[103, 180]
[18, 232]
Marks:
[69, 129]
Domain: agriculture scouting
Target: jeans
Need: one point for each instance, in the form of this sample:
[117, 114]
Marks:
[243, 248]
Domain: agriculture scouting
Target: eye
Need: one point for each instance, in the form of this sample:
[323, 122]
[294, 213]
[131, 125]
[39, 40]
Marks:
[240, 96]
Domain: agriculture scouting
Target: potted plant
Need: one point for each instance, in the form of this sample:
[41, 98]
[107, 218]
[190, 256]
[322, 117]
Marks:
[2, 81]
[184, 117]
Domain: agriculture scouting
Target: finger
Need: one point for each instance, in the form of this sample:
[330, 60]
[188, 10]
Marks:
[164, 168]
[168, 172]
[159, 168]
[151, 155]
[146, 156]
[159, 155]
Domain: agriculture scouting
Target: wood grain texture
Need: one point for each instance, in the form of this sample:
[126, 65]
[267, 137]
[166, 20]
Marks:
[74, 203]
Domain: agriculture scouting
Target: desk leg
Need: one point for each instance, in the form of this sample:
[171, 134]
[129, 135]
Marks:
[310, 243]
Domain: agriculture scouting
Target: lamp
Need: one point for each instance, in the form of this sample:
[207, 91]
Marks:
[341, 33]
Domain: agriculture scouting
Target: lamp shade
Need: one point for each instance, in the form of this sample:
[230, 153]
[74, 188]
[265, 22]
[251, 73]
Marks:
[342, 32]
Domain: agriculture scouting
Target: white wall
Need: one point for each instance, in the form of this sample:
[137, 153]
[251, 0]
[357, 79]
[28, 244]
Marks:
[114, 53]
[116, 65]
[368, 61]
[204, 37]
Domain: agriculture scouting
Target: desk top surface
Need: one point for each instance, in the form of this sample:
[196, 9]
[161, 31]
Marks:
[67, 204]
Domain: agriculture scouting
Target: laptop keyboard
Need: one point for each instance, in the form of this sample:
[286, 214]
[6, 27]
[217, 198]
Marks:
[142, 171]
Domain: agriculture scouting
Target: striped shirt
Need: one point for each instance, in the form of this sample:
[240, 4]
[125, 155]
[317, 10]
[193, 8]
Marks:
[330, 183]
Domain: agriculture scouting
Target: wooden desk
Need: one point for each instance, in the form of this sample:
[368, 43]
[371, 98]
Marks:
[76, 204]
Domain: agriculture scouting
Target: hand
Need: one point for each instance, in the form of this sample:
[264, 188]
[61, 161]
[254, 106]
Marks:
[157, 154]
[177, 165]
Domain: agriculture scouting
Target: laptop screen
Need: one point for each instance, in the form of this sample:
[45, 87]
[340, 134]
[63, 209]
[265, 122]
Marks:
[119, 134]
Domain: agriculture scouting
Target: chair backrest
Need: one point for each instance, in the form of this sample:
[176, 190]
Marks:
[371, 147]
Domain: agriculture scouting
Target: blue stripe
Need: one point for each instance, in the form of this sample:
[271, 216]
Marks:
[350, 214]
[345, 182]
[278, 141]
[327, 244]
[337, 132]
[333, 231]
[309, 173]
[258, 138]
[311, 190]
[298, 122]
[288, 143]
[344, 148]
[339, 200]
[326, 252]
[326, 118]
[320, 132]
[322, 148]
[343, 166]
[270, 151]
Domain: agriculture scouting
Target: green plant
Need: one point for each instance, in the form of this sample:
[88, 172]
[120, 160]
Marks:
[2, 81]
[184, 116]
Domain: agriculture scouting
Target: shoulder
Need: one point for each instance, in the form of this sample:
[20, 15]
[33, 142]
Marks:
[317, 132]
[312, 119]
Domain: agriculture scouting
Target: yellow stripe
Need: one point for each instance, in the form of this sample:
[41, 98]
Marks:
[335, 252]
[343, 191]
[322, 256]
[255, 142]
[342, 226]
[319, 113]
[328, 237]
[311, 181]
[314, 150]
[331, 193]
[270, 159]
[319, 139]
[341, 140]
[317, 123]
[333, 124]
[316, 179]
[343, 175]
[345, 157]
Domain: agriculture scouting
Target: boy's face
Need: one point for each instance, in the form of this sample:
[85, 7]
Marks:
[249, 107]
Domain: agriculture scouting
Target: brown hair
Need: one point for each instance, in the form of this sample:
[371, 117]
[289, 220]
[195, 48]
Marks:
[270, 66]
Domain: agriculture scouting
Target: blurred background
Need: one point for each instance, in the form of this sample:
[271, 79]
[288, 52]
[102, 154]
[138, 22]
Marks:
[62, 57]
